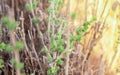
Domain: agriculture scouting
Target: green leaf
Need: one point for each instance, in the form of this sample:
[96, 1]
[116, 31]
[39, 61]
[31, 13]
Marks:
[86, 23]
[34, 4]
[60, 2]
[49, 1]
[1, 63]
[57, 12]
[13, 61]
[19, 65]
[85, 28]
[71, 46]
[19, 45]
[12, 25]
[49, 10]
[79, 37]
[66, 23]
[79, 31]
[35, 20]
[94, 18]
[60, 62]
[60, 42]
[73, 15]
[60, 49]
[9, 23]
[50, 59]
[2, 46]
[53, 47]
[9, 48]
[118, 39]
[28, 7]
[43, 50]
[5, 20]
[49, 72]
[16, 64]
[53, 70]
[60, 20]
[72, 38]
[58, 35]
[52, 19]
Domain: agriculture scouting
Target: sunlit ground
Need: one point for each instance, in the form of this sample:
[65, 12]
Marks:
[107, 28]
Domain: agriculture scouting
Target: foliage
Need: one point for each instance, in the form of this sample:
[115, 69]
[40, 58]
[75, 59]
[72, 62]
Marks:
[60, 62]
[30, 7]
[9, 23]
[1, 63]
[53, 70]
[6, 47]
[35, 20]
[9, 48]
[73, 15]
[16, 64]
[81, 30]
[19, 45]
[2, 46]
[57, 42]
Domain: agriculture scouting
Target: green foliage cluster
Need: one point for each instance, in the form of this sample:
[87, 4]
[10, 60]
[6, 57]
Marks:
[73, 15]
[30, 7]
[19, 45]
[56, 3]
[58, 46]
[6, 47]
[10, 48]
[53, 70]
[57, 42]
[81, 30]
[18, 65]
[1, 63]
[9, 23]
[35, 20]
